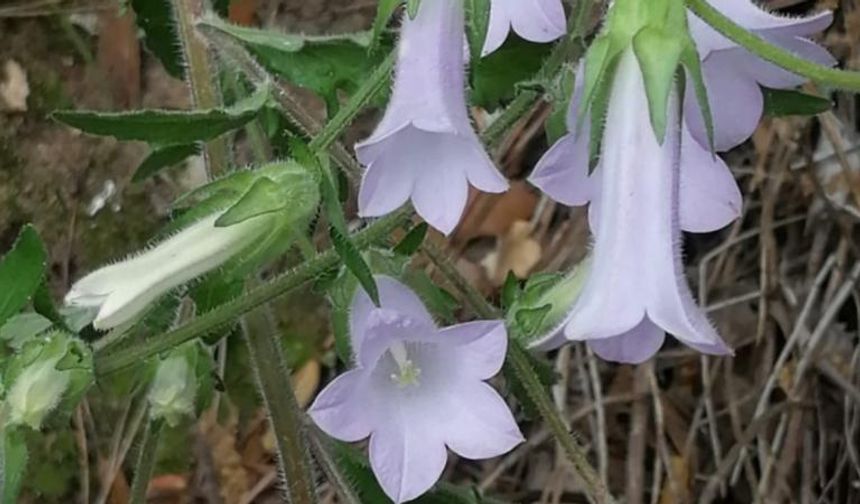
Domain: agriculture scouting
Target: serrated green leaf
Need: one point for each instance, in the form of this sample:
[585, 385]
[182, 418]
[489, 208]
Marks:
[21, 272]
[325, 65]
[162, 158]
[166, 127]
[155, 19]
[789, 102]
[477, 26]
[658, 54]
[353, 260]
[412, 241]
[13, 464]
[384, 11]
[263, 197]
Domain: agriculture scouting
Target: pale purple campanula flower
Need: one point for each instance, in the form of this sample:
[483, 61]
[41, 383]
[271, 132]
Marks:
[733, 75]
[416, 389]
[425, 147]
[705, 196]
[534, 20]
[636, 289]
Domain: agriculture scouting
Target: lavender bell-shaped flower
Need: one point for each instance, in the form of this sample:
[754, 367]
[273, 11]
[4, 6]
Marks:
[425, 149]
[534, 20]
[416, 389]
[642, 195]
[733, 74]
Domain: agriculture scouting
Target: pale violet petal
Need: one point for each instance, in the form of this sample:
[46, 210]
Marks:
[406, 458]
[709, 196]
[481, 424]
[440, 194]
[562, 172]
[394, 297]
[386, 185]
[735, 98]
[342, 409]
[633, 347]
[479, 347]
[770, 75]
[534, 20]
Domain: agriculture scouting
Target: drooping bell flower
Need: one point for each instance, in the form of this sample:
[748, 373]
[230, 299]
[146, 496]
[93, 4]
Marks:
[642, 194]
[733, 74]
[534, 20]
[425, 148]
[416, 389]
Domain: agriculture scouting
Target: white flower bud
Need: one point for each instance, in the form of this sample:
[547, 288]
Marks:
[173, 391]
[36, 392]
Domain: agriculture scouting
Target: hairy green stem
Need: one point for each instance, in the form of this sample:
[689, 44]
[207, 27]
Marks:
[826, 76]
[322, 450]
[115, 357]
[273, 381]
[145, 464]
[200, 75]
[517, 361]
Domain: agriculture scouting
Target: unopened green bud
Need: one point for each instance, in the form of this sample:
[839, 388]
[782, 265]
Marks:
[36, 392]
[174, 390]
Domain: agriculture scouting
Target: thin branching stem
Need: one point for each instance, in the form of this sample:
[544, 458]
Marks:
[145, 464]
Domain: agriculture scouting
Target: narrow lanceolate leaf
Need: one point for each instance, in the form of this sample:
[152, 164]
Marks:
[155, 20]
[384, 11]
[264, 196]
[477, 25]
[162, 158]
[13, 463]
[693, 67]
[21, 272]
[412, 241]
[355, 263]
[788, 102]
[166, 127]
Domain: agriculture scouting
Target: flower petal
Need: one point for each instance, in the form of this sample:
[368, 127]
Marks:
[342, 409]
[562, 173]
[633, 347]
[709, 194]
[479, 347]
[393, 296]
[735, 98]
[407, 458]
[440, 192]
[386, 185]
[769, 75]
[479, 423]
[534, 20]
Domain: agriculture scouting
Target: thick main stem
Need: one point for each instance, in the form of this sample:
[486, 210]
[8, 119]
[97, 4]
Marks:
[273, 381]
[200, 75]
[145, 461]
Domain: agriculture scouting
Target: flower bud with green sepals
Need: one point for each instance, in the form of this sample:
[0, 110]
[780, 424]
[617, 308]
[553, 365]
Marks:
[48, 373]
[235, 224]
[181, 385]
[658, 33]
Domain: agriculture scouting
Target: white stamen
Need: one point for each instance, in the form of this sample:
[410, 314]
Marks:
[408, 372]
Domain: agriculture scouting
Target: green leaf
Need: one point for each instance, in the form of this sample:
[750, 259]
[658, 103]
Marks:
[440, 302]
[788, 102]
[562, 94]
[155, 19]
[264, 196]
[21, 272]
[162, 158]
[353, 260]
[325, 65]
[495, 78]
[23, 327]
[412, 241]
[530, 320]
[13, 463]
[477, 26]
[166, 127]
[693, 67]
[510, 290]
[384, 11]
[658, 54]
